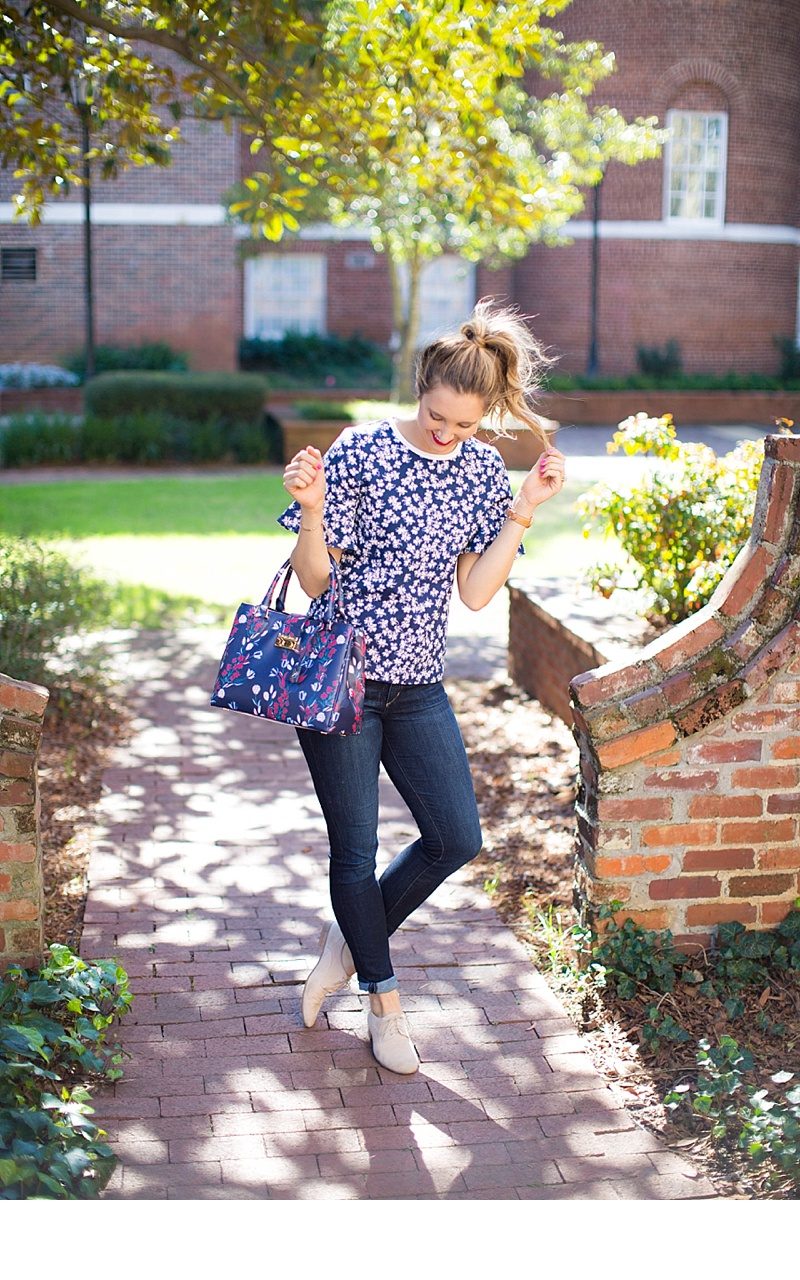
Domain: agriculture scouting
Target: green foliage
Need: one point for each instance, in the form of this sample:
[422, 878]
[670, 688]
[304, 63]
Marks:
[746, 958]
[730, 381]
[138, 437]
[265, 63]
[147, 355]
[638, 961]
[326, 357]
[658, 362]
[564, 946]
[33, 439]
[681, 526]
[446, 150]
[765, 1127]
[43, 599]
[53, 1028]
[632, 956]
[790, 359]
[195, 397]
[661, 1028]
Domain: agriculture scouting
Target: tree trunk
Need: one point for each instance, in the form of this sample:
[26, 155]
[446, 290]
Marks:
[406, 327]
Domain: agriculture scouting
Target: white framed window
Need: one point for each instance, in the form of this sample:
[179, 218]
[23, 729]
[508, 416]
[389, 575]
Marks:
[694, 170]
[447, 294]
[284, 291]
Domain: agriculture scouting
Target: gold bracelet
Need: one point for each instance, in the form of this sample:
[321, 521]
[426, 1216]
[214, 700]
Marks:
[313, 528]
[512, 515]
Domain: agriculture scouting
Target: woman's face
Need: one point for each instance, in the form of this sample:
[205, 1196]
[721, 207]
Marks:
[445, 417]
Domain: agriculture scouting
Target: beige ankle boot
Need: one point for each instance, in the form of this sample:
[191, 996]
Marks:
[333, 970]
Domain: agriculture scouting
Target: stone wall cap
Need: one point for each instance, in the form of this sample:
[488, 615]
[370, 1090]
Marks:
[22, 697]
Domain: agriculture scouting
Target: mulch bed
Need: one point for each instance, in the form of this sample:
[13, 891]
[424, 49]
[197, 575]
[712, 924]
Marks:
[524, 763]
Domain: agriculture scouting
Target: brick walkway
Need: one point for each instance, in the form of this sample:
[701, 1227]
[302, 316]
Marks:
[208, 881]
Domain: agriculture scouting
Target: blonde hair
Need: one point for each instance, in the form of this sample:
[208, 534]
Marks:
[493, 355]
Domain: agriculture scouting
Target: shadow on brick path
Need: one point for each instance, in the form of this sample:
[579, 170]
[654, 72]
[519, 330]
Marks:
[208, 882]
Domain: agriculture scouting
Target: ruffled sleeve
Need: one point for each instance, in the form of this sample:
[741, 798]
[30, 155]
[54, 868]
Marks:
[342, 494]
[492, 511]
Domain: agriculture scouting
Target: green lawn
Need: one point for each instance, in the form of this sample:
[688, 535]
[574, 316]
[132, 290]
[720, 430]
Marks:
[173, 541]
[162, 506]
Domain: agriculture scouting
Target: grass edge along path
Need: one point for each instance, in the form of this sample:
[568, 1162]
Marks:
[175, 534]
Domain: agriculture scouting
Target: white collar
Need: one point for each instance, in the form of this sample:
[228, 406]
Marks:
[423, 453]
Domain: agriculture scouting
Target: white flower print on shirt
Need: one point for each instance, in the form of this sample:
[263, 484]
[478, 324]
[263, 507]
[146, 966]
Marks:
[402, 519]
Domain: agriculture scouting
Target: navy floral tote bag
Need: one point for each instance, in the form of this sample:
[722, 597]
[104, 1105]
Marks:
[306, 672]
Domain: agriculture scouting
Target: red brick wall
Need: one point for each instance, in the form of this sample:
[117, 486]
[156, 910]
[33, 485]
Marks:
[204, 163]
[179, 284]
[742, 54]
[173, 283]
[22, 708]
[544, 654]
[688, 808]
[358, 299]
[608, 408]
[723, 301]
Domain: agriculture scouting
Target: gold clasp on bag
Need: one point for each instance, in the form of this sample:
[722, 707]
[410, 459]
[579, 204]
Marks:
[286, 641]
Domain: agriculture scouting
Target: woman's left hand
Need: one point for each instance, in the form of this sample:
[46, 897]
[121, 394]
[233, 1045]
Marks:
[545, 478]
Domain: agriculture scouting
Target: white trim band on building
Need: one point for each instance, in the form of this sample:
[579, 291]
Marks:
[737, 232]
[118, 214]
[651, 229]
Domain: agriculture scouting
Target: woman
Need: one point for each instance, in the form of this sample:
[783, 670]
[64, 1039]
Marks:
[404, 506]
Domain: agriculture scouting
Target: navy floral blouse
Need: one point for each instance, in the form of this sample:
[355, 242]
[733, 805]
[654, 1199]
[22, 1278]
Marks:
[402, 518]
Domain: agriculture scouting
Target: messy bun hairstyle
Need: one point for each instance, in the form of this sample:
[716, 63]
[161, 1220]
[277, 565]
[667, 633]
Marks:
[493, 355]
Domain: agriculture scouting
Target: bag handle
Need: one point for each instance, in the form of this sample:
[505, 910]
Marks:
[333, 594]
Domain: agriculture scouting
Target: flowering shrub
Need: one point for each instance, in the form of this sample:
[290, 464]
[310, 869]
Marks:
[36, 375]
[681, 526]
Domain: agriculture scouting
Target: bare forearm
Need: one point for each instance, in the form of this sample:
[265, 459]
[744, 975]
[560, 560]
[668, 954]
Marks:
[310, 555]
[484, 577]
[491, 569]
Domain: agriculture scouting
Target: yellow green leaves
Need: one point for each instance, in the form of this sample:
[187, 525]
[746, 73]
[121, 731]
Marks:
[682, 525]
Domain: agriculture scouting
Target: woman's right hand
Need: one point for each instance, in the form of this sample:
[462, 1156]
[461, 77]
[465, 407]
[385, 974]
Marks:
[304, 478]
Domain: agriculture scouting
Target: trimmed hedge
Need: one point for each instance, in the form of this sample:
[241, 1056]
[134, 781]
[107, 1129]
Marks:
[30, 440]
[194, 397]
[732, 381]
[147, 355]
[298, 352]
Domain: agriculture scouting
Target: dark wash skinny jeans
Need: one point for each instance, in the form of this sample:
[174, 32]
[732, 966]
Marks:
[412, 730]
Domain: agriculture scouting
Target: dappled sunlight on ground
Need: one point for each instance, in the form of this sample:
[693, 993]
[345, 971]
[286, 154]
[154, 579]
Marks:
[208, 881]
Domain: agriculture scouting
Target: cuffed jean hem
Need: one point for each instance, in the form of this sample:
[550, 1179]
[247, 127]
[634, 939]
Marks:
[375, 988]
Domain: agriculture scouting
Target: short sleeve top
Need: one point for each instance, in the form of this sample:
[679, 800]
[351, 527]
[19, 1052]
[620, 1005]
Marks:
[402, 517]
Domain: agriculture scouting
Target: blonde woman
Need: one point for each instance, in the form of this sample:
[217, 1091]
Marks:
[407, 506]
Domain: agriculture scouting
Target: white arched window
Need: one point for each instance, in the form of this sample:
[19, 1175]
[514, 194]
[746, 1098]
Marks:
[694, 166]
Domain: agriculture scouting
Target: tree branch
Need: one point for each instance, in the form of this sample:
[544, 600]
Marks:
[163, 39]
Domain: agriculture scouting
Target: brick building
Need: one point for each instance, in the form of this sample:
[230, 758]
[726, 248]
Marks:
[702, 244]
